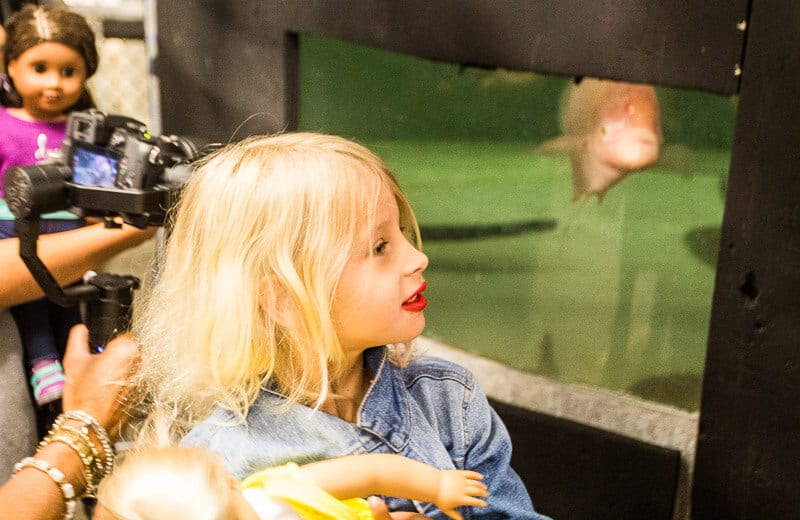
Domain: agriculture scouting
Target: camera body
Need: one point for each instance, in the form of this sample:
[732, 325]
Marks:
[111, 151]
[108, 165]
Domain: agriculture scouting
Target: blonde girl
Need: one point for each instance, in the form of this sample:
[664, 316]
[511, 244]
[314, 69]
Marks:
[278, 330]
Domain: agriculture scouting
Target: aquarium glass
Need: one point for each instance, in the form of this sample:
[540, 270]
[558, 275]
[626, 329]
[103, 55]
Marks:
[613, 293]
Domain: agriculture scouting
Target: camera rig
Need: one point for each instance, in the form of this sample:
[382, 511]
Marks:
[108, 167]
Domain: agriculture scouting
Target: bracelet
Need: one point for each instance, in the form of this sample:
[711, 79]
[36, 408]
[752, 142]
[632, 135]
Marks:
[101, 433]
[67, 491]
[82, 434]
[82, 445]
[93, 470]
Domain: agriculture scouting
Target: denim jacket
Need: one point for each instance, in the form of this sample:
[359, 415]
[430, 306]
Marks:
[432, 410]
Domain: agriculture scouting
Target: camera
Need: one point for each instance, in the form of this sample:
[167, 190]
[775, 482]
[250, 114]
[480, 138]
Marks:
[108, 165]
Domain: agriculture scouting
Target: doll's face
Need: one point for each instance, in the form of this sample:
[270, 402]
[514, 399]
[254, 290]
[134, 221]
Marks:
[49, 78]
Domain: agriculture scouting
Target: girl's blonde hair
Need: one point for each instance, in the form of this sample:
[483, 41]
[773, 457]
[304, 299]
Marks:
[260, 239]
[168, 482]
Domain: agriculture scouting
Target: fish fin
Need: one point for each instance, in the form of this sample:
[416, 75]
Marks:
[579, 186]
[591, 176]
[560, 144]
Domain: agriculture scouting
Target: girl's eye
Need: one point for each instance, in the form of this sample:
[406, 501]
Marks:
[381, 247]
[68, 72]
[39, 68]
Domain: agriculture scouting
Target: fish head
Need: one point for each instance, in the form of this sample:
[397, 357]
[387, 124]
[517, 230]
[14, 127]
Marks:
[628, 133]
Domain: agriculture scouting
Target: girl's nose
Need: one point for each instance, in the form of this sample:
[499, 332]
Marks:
[419, 260]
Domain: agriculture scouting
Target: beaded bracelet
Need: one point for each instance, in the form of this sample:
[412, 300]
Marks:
[101, 433]
[67, 491]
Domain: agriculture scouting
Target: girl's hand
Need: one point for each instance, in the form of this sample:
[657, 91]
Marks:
[381, 512]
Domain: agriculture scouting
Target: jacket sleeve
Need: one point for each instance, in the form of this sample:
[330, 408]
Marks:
[488, 451]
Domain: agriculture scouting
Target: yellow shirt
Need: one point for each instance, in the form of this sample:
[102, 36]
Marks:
[310, 501]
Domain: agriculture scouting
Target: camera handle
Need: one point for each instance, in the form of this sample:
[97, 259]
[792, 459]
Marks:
[106, 299]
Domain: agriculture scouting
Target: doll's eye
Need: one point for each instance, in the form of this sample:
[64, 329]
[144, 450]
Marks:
[39, 67]
[68, 72]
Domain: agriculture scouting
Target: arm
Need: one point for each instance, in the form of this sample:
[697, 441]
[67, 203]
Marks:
[67, 255]
[94, 386]
[394, 475]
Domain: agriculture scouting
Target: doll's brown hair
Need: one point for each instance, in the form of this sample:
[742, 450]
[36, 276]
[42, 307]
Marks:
[32, 25]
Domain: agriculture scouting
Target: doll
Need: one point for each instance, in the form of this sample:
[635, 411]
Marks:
[48, 56]
[181, 482]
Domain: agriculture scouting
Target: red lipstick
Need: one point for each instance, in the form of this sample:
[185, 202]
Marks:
[417, 302]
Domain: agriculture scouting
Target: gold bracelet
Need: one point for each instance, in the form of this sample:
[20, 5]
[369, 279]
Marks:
[98, 468]
[84, 448]
[102, 434]
[93, 471]
[67, 491]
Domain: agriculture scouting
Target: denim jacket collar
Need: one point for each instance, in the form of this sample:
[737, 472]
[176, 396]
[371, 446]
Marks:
[385, 411]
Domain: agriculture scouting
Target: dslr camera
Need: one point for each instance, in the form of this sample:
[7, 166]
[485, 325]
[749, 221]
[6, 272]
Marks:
[108, 165]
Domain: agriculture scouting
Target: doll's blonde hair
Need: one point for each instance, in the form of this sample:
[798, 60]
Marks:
[260, 238]
[168, 482]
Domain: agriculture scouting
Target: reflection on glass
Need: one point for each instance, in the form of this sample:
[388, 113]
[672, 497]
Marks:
[616, 293]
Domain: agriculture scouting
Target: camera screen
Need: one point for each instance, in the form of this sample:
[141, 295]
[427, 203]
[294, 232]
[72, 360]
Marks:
[94, 167]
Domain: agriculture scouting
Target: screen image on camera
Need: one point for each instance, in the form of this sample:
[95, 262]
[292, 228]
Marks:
[93, 168]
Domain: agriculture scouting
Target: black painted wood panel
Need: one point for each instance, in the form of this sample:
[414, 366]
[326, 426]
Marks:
[575, 472]
[748, 452]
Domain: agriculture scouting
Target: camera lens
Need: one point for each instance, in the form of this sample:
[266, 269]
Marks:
[36, 189]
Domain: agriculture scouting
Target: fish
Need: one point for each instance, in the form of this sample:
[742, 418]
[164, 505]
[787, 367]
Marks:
[610, 130]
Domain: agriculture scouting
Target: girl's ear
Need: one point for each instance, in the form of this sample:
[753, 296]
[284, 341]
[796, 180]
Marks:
[275, 301]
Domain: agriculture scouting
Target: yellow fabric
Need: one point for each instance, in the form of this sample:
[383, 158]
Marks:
[309, 500]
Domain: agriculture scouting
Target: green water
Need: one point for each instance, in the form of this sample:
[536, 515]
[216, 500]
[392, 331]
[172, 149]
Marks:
[616, 294]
